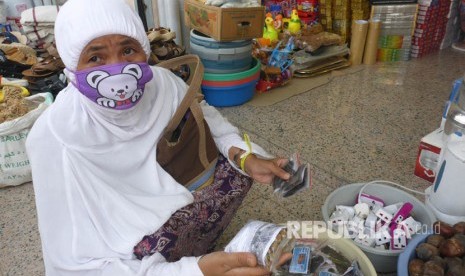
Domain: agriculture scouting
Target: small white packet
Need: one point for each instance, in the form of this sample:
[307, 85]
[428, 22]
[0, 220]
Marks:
[267, 241]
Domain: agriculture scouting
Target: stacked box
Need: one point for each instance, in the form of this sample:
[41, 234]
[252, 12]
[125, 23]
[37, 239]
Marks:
[397, 28]
[326, 19]
[360, 9]
[453, 29]
[431, 26]
[283, 7]
[341, 16]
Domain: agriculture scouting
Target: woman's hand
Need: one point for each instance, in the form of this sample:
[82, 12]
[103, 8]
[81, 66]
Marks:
[261, 170]
[264, 170]
[229, 264]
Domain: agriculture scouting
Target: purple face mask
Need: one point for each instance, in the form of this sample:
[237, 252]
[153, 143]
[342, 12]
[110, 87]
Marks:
[117, 86]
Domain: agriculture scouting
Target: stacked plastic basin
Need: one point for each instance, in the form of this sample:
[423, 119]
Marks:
[231, 72]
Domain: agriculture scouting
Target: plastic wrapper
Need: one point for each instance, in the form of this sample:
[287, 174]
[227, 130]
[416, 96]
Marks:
[323, 260]
[267, 241]
[300, 178]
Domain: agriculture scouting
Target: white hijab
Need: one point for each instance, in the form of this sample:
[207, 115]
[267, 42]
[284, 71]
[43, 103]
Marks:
[115, 190]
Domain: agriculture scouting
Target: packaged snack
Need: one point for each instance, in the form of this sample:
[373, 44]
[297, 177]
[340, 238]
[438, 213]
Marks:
[300, 178]
[323, 260]
[267, 241]
[300, 259]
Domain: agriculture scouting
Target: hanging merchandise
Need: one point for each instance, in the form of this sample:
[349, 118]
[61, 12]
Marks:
[275, 9]
[308, 11]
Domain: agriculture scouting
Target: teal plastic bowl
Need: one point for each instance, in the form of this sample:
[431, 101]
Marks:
[255, 67]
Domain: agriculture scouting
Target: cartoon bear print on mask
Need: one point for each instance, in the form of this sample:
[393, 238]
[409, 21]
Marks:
[116, 90]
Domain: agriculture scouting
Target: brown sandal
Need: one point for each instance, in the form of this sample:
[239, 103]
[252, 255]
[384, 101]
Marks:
[167, 50]
[45, 68]
[15, 54]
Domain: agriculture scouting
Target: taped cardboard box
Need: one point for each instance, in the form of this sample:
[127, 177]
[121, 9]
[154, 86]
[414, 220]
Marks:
[224, 24]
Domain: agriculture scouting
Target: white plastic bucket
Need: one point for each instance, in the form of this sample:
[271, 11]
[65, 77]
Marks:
[221, 57]
[384, 261]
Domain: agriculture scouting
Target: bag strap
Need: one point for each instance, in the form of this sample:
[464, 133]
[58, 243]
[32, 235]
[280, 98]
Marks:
[198, 116]
[194, 82]
[190, 101]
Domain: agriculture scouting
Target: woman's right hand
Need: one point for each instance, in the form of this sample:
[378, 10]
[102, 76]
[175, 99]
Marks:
[229, 264]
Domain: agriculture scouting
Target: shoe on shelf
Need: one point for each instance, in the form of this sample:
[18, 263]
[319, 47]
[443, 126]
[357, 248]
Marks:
[160, 34]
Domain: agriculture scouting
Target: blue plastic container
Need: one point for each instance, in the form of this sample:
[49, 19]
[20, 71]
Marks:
[229, 96]
[221, 57]
[409, 254]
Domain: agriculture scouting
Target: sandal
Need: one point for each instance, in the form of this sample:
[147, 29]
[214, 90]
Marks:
[168, 50]
[15, 54]
[160, 34]
[11, 69]
[45, 68]
[166, 34]
[153, 35]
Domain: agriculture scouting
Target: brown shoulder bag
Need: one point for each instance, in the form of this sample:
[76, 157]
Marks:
[186, 149]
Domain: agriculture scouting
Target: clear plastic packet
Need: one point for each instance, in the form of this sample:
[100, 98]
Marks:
[324, 260]
[300, 178]
[267, 241]
[300, 259]
[354, 270]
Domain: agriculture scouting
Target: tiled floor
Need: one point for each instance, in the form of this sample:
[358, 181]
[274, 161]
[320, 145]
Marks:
[360, 127]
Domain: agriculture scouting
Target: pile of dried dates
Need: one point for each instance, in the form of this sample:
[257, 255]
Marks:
[443, 253]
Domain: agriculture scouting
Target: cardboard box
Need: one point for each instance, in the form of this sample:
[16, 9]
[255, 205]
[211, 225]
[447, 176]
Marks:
[224, 24]
[428, 155]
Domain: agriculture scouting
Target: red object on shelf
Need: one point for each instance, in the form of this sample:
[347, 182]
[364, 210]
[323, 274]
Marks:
[267, 83]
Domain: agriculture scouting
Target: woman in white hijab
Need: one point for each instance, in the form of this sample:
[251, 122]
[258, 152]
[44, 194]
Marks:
[98, 189]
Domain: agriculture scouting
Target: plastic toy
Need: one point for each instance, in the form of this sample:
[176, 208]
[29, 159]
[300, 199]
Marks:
[269, 32]
[278, 22]
[294, 24]
[272, 78]
[280, 58]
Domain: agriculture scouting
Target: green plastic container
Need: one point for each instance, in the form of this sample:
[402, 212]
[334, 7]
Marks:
[255, 67]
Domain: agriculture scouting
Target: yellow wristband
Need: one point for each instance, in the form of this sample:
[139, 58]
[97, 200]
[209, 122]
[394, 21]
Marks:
[247, 153]
[243, 158]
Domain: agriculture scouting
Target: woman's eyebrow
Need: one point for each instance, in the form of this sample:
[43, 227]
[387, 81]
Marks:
[127, 41]
[95, 48]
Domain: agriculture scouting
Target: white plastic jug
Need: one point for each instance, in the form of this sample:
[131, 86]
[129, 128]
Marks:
[446, 196]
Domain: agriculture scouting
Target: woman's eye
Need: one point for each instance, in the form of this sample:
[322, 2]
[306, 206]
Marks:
[94, 59]
[128, 51]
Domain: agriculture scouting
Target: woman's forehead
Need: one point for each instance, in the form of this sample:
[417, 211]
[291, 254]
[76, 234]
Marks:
[111, 40]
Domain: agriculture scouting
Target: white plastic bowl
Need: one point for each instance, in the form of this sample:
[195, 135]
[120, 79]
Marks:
[384, 261]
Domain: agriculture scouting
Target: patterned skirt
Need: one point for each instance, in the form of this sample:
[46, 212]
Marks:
[194, 229]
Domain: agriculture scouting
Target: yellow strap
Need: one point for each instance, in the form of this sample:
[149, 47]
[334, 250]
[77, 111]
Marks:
[247, 153]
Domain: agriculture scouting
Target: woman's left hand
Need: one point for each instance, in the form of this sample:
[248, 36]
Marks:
[264, 170]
